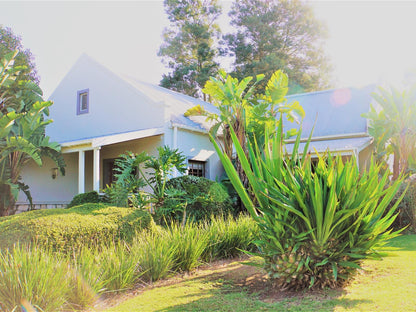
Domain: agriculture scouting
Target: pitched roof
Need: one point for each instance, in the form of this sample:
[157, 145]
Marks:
[336, 111]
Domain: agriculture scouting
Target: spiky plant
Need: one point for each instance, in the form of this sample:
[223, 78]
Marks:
[316, 223]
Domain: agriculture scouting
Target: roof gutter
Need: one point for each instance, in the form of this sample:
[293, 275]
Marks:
[331, 137]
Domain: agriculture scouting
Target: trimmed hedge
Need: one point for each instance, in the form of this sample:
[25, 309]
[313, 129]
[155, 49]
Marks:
[70, 229]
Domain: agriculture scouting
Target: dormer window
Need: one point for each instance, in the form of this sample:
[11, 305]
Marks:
[83, 102]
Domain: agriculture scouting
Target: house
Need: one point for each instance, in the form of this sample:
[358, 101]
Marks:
[99, 115]
[338, 127]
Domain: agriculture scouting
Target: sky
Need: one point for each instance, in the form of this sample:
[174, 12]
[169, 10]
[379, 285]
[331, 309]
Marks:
[369, 42]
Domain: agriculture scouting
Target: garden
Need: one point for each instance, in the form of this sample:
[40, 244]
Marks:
[287, 233]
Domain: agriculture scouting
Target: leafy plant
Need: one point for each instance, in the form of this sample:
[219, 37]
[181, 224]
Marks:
[194, 198]
[35, 275]
[393, 125]
[229, 237]
[85, 198]
[316, 225]
[190, 241]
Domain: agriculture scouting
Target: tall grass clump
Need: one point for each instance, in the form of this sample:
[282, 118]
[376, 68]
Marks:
[37, 276]
[316, 223]
[108, 267]
[228, 237]
[154, 253]
[190, 241]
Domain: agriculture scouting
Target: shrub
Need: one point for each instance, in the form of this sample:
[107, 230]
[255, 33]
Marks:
[199, 197]
[40, 277]
[154, 253]
[108, 267]
[85, 198]
[229, 237]
[71, 229]
[316, 225]
[189, 241]
[407, 207]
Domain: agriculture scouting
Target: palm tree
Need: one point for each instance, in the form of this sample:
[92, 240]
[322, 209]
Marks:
[393, 126]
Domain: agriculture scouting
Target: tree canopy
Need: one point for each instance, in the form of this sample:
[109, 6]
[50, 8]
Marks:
[189, 45]
[278, 34]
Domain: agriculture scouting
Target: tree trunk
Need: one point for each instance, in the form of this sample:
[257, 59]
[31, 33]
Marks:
[7, 201]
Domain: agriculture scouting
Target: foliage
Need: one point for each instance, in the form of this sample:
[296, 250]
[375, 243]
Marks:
[132, 175]
[393, 125]
[70, 229]
[85, 198]
[9, 42]
[23, 121]
[128, 182]
[244, 113]
[278, 34]
[194, 198]
[108, 268]
[406, 217]
[229, 237]
[190, 241]
[189, 48]
[155, 254]
[316, 225]
[37, 276]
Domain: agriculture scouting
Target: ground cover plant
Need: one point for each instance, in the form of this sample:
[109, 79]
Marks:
[316, 223]
[383, 285]
[66, 279]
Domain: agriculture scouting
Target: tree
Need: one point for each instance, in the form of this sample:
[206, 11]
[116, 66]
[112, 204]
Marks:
[244, 113]
[278, 34]
[9, 42]
[188, 49]
[22, 133]
[393, 126]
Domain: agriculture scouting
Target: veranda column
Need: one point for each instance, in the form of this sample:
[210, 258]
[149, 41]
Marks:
[96, 171]
[81, 172]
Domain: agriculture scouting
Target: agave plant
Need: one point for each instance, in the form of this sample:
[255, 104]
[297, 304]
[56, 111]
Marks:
[316, 222]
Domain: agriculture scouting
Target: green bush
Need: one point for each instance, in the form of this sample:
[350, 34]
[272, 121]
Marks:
[196, 198]
[41, 278]
[316, 223]
[85, 198]
[70, 229]
[407, 207]
[227, 237]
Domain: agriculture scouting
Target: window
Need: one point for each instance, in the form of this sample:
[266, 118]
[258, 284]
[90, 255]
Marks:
[83, 102]
[196, 168]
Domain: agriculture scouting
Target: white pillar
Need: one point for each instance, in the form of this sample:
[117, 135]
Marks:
[96, 171]
[81, 172]
[175, 146]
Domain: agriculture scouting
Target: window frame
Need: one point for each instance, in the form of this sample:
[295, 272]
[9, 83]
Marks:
[81, 111]
[197, 162]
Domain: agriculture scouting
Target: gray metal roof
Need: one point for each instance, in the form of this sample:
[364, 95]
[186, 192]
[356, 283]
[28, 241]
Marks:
[347, 145]
[337, 112]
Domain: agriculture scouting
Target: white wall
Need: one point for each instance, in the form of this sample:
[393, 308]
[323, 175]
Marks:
[114, 105]
[44, 189]
[192, 143]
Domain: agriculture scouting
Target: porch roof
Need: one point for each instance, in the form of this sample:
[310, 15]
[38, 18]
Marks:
[347, 145]
[96, 142]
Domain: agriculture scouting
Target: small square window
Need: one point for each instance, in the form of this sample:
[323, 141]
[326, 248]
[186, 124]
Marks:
[196, 168]
[83, 102]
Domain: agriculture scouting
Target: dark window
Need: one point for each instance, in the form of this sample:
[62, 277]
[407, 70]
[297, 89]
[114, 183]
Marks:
[83, 102]
[196, 168]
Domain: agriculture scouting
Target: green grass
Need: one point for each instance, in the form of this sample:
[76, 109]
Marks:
[386, 285]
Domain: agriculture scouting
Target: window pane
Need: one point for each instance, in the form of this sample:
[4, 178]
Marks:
[196, 168]
[84, 101]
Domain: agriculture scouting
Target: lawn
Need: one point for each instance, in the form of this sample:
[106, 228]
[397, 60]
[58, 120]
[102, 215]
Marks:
[385, 285]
